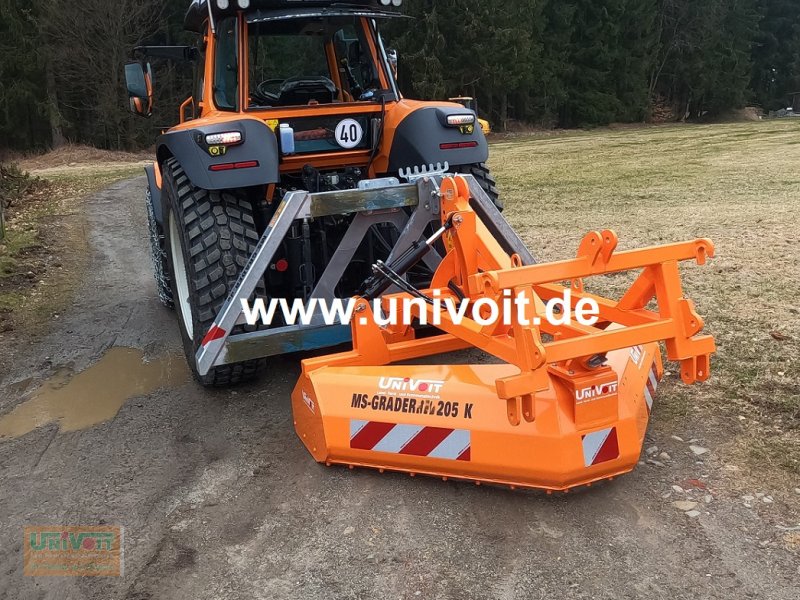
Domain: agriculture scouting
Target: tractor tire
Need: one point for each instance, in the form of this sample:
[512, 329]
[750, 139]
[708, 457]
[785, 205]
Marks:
[210, 236]
[158, 254]
[484, 177]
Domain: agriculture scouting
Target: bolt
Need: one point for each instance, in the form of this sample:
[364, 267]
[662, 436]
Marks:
[458, 219]
[361, 308]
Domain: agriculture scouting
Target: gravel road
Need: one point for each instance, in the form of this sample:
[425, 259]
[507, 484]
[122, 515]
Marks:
[218, 498]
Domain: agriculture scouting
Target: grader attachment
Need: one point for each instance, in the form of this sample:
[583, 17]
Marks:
[553, 404]
[562, 404]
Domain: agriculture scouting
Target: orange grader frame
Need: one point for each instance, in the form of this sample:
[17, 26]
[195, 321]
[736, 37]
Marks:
[561, 406]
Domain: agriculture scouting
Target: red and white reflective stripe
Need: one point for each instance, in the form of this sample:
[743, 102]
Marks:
[214, 334]
[410, 440]
[651, 386]
[637, 353]
[600, 446]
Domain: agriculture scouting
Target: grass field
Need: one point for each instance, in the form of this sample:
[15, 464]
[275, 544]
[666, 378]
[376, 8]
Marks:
[738, 184]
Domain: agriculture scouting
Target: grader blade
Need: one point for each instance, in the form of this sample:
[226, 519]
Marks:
[447, 421]
[561, 405]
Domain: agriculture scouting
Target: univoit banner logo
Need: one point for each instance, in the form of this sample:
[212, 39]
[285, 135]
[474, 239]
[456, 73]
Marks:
[79, 551]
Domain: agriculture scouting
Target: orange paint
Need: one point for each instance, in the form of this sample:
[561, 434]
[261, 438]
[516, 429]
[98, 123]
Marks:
[544, 418]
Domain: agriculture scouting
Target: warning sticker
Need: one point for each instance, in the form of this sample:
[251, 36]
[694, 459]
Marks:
[411, 440]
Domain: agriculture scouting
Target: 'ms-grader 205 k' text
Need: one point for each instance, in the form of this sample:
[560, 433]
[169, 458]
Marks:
[299, 171]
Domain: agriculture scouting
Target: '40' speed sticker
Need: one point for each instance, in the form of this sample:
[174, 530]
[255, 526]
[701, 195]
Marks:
[349, 133]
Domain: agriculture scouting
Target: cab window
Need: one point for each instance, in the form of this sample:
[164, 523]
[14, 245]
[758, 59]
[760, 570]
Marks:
[200, 71]
[358, 71]
[310, 61]
[226, 66]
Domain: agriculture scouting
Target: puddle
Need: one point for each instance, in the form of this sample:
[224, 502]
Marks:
[93, 396]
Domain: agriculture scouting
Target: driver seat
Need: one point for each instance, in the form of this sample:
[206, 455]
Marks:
[300, 91]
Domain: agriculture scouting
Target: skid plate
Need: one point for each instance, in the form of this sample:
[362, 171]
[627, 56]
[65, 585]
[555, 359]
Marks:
[447, 421]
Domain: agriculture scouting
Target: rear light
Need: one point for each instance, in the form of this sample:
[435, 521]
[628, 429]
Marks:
[458, 145]
[395, 3]
[248, 164]
[460, 120]
[229, 138]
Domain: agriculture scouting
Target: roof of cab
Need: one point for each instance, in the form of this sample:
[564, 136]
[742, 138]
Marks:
[273, 10]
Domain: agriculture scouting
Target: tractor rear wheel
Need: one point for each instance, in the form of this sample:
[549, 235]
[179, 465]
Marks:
[484, 177]
[159, 255]
[210, 236]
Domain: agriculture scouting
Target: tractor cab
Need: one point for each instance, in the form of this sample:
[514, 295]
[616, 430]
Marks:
[318, 76]
[309, 56]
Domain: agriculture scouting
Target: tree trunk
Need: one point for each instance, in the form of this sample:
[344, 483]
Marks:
[2, 207]
[504, 112]
[53, 112]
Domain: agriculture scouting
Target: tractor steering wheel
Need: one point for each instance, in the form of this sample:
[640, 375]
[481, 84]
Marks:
[262, 91]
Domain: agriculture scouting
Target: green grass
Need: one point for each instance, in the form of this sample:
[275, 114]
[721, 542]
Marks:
[12, 246]
[10, 301]
[16, 189]
[739, 185]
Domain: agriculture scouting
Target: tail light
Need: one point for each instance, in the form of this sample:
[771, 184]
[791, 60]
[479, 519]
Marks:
[248, 164]
[458, 145]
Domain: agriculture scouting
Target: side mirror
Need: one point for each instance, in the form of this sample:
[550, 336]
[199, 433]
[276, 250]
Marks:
[139, 81]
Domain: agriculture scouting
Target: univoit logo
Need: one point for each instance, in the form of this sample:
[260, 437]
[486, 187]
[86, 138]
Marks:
[78, 551]
[408, 384]
[596, 392]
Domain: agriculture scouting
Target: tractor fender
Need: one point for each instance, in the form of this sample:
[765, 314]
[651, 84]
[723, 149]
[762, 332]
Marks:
[196, 157]
[155, 192]
[419, 137]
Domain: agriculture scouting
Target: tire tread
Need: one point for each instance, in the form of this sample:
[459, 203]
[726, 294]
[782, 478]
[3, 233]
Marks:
[486, 180]
[221, 236]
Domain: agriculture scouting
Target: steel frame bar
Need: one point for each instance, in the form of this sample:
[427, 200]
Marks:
[371, 207]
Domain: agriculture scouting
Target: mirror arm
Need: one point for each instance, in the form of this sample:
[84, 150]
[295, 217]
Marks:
[211, 23]
[177, 53]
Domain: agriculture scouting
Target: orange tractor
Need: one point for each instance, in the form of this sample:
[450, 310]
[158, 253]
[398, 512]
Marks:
[300, 173]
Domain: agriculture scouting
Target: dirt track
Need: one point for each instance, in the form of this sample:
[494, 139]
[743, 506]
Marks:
[220, 500]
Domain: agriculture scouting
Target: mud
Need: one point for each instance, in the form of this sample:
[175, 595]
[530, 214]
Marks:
[219, 499]
[78, 401]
